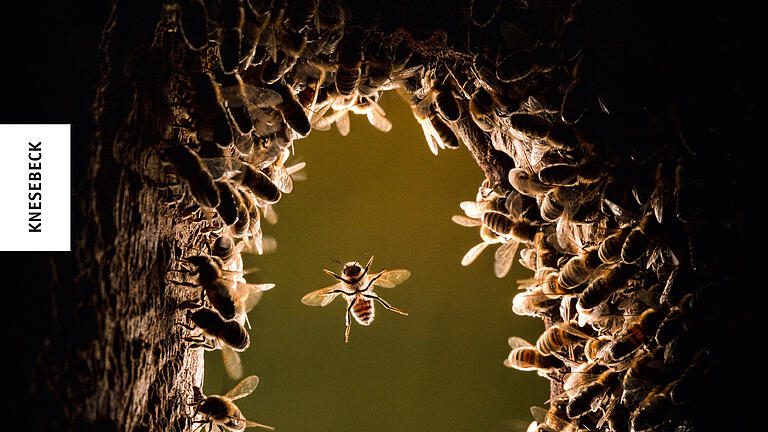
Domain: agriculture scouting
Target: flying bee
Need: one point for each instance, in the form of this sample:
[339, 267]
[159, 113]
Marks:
[190, 168]
[210, 118]
[523, 63]
[525, 356]
[585, 395]
[632, 336]
[194, 24]
[221, 411]
[559, 336]
[217, 333]
[357, 287]
[350, 59]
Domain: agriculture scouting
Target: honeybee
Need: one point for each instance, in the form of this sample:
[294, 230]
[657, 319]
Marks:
[504, 255]
[258, 183]
[228, 203]
[221, 411]
[531, 125]
[350, 59]
[523, 63]
[643, 371]
[675, 321]
[653, 411]
[577, 270]
[603, 286]
[610, 248]
[533, 303]
[525, 356]
[593, 346]
[559, 174]
[481, 110]
[194, 24]
[232, 16]
[373, 111]
[281, 175]
[254, 24]
[512, 229]
[559, 336]
[357, 287]
[631, 337]
[210, 118]
[593, 387]
[527, 184]
[576, 100]
[218, 333]
[292, 111]
[241, 97]
[555, 418]
[190, 168]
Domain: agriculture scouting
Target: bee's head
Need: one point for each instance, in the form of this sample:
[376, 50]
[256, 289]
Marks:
[352, 270]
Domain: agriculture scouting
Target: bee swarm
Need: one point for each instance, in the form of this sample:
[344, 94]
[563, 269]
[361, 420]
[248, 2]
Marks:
[596, 176]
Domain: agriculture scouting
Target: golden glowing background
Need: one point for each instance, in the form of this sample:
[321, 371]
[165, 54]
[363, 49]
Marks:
[440, 368]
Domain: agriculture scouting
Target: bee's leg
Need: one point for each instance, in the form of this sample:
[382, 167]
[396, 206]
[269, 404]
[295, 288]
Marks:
[190, 304]
[349, 321]
[385, 304]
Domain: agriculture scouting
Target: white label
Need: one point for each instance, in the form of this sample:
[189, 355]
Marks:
[35, 187]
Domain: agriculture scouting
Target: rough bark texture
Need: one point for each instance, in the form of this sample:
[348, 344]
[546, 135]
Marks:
[102, 351]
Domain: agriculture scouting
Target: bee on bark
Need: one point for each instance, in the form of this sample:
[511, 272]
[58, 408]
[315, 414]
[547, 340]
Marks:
[194, 24]
[639, 239]
[357, 287]
[221, 411]
[632, 336]
[559, 336]
[525, 356]
[527, 184]
[578, 269]
[522, 64]
[232, 16]
[209, 116]
[350, 59]
[190, 168]
[217, 333]
[481, 110]
[228, 203]
[581, 401]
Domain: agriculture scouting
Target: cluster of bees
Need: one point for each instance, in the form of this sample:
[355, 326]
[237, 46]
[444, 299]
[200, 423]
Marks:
[617, 291]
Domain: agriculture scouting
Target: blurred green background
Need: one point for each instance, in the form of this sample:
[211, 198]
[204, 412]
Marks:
[440, 368]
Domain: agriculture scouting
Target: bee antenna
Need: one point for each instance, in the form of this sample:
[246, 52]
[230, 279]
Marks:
[337, 261]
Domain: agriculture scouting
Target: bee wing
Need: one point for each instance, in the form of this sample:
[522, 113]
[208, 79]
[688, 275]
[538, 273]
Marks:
[321, 297]
[282, 179]
[320, 123]
[543, 416]
[537, 153]
[504, 256]
[293, 169]
[471, 254]
[232, 363]
[262, 97]
[243, 388]
[474, 209]
[570, 328]
[269, 214]
[518, 342]
[342, 123]
[251, 293]
[378, 120]
[466, 221]
[391, 278]
[427, 128]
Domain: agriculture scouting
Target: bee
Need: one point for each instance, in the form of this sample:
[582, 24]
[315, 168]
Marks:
[580, 403]
[610, 248]
[504, 255]
[481, 110]
[210, 118]
[547, 279]
[350, 59]
[525, 356]
[560, 174]
[533, 303]
[194, 24]
[684, 388]
[675, 321]
[576, 100]
[593, 346]
[258, 183]
[254, 24]
[517, 229]
[292, 111]
[639, 240]
[533, 126]
[603, 286]
[190, 168]
[653, 411]
[228, 204]
[243, 216]
[301, 15]
[374, 113]
[221, 411]
[551, 208]
[228, 335]
[357, 287]
[525, 183]
[644, 370]
[232, 16]
[555, 418]
[559, 336]
[281, 175]
[240, 98]
[523, 63]
[577, 270]
[226, 249]
[632, 336]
